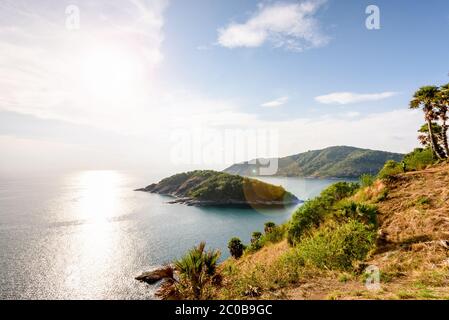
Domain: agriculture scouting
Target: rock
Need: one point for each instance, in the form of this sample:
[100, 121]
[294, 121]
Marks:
[233, 203]
[156, 275]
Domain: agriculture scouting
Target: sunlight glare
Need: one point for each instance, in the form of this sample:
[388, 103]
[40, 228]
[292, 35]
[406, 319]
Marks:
[112, 74]
[99, 197]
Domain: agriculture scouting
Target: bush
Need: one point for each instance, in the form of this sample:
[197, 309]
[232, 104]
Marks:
[312, 212]
[336, 247]
[253, 247]
[367, 180]
[365, 213]
[275, 235]
[383, 195]
[391, 168]
[338, 191]
[256, 236]
[196, 269]
[236, 247]
[419, 159]
[269, 226]
[305, 217]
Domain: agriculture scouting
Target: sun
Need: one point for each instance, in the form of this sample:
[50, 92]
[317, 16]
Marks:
[112, 73]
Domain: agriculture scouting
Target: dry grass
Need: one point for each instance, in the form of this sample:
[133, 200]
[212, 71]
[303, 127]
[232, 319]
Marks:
[417, 206]
[413, 256]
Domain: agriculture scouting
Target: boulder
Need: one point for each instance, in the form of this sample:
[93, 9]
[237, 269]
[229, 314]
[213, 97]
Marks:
[156, 275]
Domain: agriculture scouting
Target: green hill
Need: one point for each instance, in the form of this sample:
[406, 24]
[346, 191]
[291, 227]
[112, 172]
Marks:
[332, 162]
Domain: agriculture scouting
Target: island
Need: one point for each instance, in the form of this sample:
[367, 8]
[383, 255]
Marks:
[213, 188]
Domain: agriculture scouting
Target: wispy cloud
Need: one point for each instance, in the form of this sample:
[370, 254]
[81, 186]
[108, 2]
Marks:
[288, 25]
[351, 97]
[275, 103]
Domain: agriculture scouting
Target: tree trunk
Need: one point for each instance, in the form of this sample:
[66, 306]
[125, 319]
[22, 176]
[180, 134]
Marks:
[433, 143]
[445, 143]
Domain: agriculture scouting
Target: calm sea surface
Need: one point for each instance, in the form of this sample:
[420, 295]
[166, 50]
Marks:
[86, 235]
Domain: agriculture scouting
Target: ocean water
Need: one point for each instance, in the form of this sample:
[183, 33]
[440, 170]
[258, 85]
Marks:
[86, 235]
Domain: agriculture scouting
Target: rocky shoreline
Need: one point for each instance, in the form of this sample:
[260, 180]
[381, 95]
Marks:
[234, 203]
[224, 203]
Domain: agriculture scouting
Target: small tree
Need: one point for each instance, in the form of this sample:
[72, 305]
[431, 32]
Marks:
[256, 236]
[236, 247]
[269, 226]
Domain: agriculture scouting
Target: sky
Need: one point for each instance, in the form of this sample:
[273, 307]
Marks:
[168, 85]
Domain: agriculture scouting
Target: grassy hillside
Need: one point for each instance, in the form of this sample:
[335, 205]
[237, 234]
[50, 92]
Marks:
[203, 187]
[398, 224]
[340, 161]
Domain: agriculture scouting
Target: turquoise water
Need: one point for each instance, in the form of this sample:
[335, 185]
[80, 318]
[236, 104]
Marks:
[86, 235]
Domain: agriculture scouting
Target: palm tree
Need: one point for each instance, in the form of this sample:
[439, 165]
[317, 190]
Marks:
[443, 105]
[425, 98]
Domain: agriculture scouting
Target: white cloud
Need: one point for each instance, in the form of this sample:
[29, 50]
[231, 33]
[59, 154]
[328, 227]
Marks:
[391, 131]
[289, 25]
[275, 103]
[351, 97]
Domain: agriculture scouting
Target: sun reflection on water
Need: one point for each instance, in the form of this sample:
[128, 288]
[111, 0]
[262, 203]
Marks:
[98, 201]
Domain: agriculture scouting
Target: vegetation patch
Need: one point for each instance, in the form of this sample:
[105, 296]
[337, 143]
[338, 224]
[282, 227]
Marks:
[336, 247]
[313, 212]
[390, 169]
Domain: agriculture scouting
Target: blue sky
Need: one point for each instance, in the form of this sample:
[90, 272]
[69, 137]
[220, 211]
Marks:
[109, 91]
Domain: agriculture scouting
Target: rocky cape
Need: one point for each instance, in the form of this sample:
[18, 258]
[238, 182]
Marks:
[212, 188]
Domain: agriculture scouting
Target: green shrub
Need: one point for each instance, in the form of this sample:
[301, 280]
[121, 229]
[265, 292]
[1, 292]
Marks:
[196, 270]
[269, 226]
[336, 247]
[256, 236]
[366, 213]
[337, 192]
[383, 195]
[419, 158]
[236, 247]
[275, 235]
[312, 212]
[390, 169]
[367, 180]
[253, 247]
